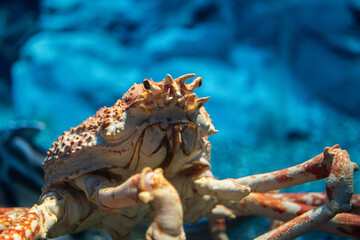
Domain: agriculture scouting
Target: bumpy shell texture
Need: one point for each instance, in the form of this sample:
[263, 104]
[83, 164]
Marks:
[110, 138]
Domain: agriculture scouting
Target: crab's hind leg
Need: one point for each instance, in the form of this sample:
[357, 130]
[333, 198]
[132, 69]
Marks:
[339, 189]
[334, 164]
[263, 204]
[217, 222]
[35, 223]
[314, 199]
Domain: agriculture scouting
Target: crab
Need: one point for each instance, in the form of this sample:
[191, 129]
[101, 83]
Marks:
[147, 160]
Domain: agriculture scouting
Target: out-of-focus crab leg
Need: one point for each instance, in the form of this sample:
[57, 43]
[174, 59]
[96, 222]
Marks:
[218, 228]
[217, 222]
[7, 211]
[35, 223]
[142, 188]
[339, 189]
[314, 199]
[9, 215]
[344, 224]
[299, 225]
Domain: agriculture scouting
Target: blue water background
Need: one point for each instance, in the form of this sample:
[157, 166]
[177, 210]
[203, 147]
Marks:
[282, 76]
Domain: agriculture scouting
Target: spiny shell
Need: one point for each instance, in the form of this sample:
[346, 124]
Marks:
[88, 147]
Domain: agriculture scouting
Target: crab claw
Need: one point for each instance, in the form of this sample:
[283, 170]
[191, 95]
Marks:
[144, 187]
[168, 222]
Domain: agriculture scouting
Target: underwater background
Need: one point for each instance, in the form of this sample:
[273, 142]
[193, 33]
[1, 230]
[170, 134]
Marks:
[283, 78]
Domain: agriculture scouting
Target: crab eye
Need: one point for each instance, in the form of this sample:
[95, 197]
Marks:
[146, 84]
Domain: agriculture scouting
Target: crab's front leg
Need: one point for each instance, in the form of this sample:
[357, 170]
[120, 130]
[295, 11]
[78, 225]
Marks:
[141, 188]
[35, 223]
[9, 215]
[57, 213]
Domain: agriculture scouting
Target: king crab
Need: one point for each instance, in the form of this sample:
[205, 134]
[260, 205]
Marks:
[100, 174]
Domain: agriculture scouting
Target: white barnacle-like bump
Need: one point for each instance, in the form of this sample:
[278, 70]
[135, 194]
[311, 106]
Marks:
[111, 130]
[16, 236]
[308, 198]
[27, 233]
[18, 227]
[33, 225]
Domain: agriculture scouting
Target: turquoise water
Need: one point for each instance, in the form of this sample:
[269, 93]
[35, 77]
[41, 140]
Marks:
[282, 75]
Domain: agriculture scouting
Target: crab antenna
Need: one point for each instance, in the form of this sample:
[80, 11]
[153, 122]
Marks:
[195, 84]
[182, 79]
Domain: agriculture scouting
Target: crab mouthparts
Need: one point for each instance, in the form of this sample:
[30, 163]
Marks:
[181, 136]
[181, 148]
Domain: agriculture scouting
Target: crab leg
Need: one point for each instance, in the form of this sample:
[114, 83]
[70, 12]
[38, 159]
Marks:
[218, 228]
[314, 169]
[35, 223]
[142, 188]
[344, 224]
[217, 221]
[7, 211]
[314, 199]
[223, 189]
[339, 189]
[9, 215]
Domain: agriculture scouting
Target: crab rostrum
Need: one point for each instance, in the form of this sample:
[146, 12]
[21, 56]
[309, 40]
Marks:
[146, 160]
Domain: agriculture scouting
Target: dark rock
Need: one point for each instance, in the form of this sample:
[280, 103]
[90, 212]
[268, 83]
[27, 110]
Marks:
[17, 24]
[21, 157]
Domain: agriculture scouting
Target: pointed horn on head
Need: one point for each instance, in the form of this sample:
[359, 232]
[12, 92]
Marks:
[168, 79]
[182, 79]
[195, 84]
[201, 101]
[197, 104]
